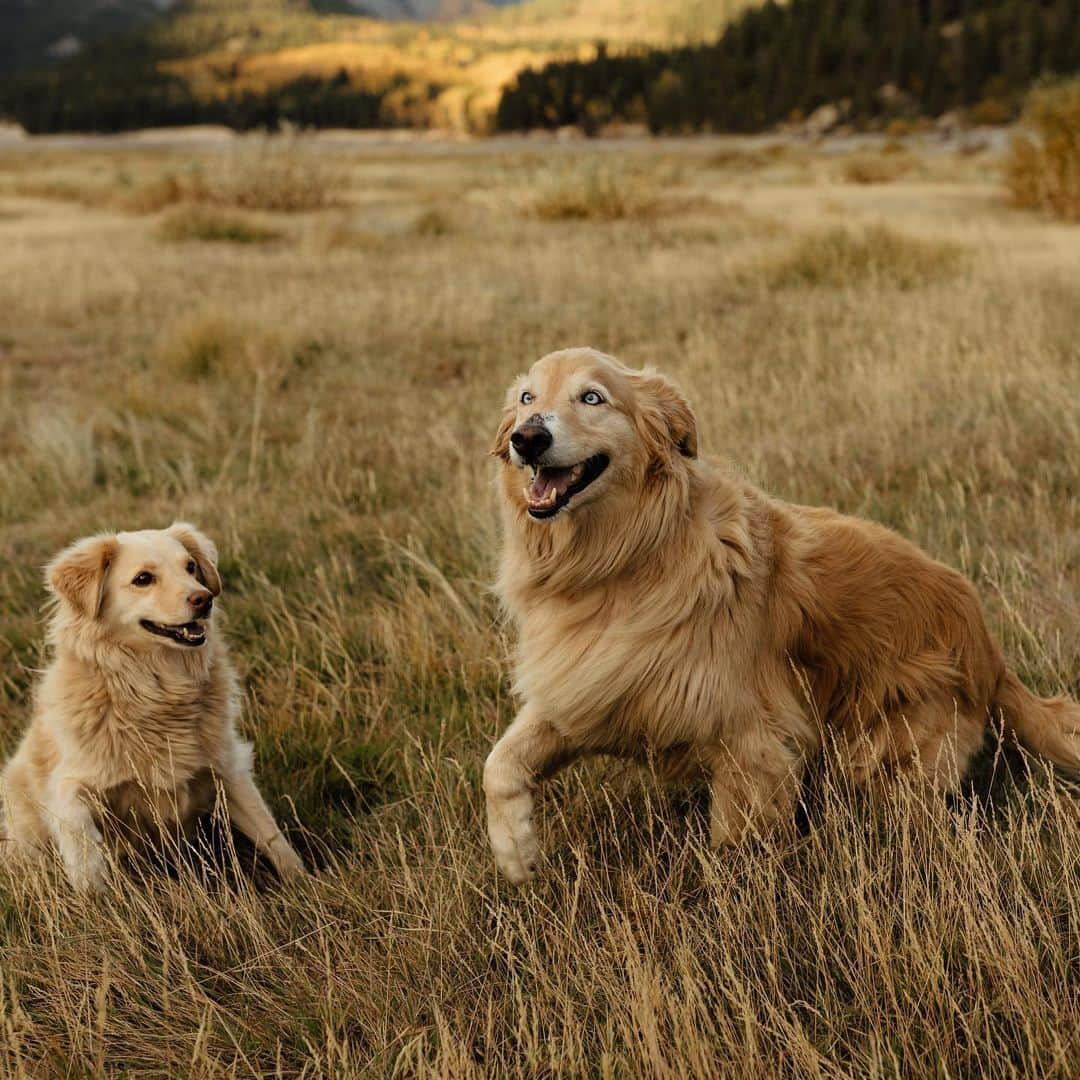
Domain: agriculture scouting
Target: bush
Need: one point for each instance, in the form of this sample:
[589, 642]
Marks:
[206, 344]
[595, 192]
[991, 112]
[284, 172]
[191, 222]
[153, 195]
[433, 222]
[882, 169]
[881, 256]
[1043, 170]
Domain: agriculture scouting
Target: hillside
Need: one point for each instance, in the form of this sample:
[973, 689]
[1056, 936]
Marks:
[33, 32]
[37, 32]
[318, 62]
[868, 64]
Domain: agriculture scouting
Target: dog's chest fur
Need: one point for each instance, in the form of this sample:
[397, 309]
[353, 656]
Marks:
[141, 811]
[146, 738]
[636, 669]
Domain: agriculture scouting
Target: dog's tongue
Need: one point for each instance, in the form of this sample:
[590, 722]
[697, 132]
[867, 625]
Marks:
[549, 485]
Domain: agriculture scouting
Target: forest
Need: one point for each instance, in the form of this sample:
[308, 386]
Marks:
[777, 63]
[129, 92]
[774, 64]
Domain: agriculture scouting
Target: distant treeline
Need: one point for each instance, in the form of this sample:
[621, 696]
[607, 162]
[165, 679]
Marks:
[883, 58]
[114, 91]
[778, 62]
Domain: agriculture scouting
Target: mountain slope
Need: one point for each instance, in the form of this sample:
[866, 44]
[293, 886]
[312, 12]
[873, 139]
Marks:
[320, 62]
[870, 63]
[35, 31]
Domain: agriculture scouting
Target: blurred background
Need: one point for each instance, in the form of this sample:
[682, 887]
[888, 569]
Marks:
[474, 66]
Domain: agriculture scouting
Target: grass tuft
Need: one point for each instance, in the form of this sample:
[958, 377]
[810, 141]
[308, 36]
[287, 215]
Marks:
[193, 222]
[433, 222]
[596, 191]
[877, 256]
[1043, 169]
[884, 168]
[287, 173]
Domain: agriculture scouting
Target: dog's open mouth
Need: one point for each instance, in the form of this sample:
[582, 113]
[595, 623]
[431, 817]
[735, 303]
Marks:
[189, 633]
[551, 489]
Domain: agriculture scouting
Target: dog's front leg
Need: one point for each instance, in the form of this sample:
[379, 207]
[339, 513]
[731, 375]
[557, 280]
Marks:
[76, 835]
[530, 751]
[250, 814]
[754, 790]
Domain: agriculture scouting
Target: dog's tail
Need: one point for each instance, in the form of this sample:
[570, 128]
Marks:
[1050, 727]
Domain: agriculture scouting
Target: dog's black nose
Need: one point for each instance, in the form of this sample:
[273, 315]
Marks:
[201, 601]
[530, 441]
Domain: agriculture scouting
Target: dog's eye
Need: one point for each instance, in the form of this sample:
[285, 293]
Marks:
[143, 579]
[591, 397]
[526, 397]
[191, 566]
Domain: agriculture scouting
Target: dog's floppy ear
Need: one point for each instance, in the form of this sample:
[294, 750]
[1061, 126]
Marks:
[667, 422]
[78, 574]
[500, 448]
[201, 548]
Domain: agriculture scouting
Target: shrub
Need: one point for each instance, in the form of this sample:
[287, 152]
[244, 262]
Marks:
[1043, 169]
[991, 111]
[192, 222]
[882, 169]
[595, 191]
[284, 172]
[899, 126]
[213, 344]
[433, 222]
[206, 344]
[879, 255]
[153, 195]
[751, 160]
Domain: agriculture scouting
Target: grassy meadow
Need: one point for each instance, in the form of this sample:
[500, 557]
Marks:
[303, 347]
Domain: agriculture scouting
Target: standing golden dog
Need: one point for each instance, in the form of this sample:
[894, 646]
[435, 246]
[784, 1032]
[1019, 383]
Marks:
[669, 611]
[133, 724]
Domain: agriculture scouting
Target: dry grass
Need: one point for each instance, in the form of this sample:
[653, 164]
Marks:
[882, 168]
[285, 173]
[876, 255]
[325, 413]
[280, 173]
[596, 190]
[194, 222]
[1043, 171]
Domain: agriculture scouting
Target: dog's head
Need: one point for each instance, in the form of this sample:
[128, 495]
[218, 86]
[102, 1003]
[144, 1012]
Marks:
[149, 589]
[590, 429]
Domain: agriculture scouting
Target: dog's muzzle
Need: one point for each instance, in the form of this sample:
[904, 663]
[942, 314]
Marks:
[531, 440]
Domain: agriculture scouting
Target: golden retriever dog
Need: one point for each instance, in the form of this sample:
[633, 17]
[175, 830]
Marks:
[670, 612]
[133, 721]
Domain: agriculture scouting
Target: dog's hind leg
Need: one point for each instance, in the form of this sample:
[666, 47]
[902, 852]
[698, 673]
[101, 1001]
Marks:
[530, 751]
[932, 740]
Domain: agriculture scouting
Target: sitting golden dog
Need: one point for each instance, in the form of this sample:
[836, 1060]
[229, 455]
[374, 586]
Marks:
[669, 611]
[133, 723]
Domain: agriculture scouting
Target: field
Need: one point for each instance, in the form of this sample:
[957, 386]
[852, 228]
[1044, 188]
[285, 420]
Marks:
[303, 347]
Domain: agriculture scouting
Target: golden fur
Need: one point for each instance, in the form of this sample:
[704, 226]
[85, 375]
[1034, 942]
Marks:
[132, 731]
[674, 613]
